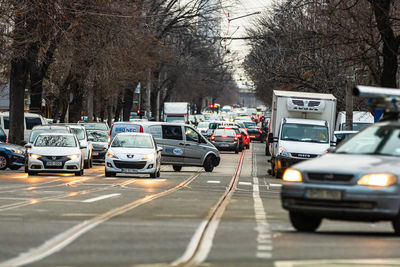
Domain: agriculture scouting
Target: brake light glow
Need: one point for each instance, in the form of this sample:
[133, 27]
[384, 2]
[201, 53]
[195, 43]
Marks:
[224, 136]
[259, 130]
[212, 137]
[141, 128]
[235, 138]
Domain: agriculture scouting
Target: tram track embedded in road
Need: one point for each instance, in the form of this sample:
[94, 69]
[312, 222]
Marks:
[201, 242]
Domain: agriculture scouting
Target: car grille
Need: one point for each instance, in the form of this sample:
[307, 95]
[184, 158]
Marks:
[365, 205]
[314, 103]
[304, 155]
[330, 177]
[129, 164]
[54, 158]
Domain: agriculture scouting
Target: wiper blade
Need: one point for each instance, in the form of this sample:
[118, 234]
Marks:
[291, 139]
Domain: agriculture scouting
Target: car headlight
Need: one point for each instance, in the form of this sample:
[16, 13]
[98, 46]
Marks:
[16, 151]
[378, 179]
[283, 152]
[73, 156]
[34, 156]
[149, 156]
[292, 175]
[111, 155]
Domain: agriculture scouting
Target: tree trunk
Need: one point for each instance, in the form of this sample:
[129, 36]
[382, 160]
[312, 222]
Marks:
[390, 42]
[75, 106]
[148, 94]
[18, 76]
[90, 103]
[128, 101]
[118, 109]
[109, 112]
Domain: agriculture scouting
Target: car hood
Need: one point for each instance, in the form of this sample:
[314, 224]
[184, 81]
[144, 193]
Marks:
[52, 151]
[341, 163]
[4, 145]
[304, 147]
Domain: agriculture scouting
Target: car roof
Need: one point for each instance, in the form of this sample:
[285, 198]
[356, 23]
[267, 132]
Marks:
[58, 134]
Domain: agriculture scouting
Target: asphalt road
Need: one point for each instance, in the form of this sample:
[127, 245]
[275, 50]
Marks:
[230, 217]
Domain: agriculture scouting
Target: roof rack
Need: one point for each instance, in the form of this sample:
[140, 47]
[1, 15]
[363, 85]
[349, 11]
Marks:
[379, 98]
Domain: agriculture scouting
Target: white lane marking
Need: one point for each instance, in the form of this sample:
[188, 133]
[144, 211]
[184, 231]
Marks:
[158, 180]
[100, 198]
[110, 178]
[275, 185]
[337, 262]
[264, 247]
[245, 183]
[213, 182]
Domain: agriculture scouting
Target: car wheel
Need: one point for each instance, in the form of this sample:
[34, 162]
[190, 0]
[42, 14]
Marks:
[177, 168]
[110, 174]
[236, 151]
[396, 225]
[3, 162]
[31, 173]
[153, 175]
[86, 164]
[14, 168]
[304, 223]
[158, 173]
[91, 163]
[208, 164]
[79, 173]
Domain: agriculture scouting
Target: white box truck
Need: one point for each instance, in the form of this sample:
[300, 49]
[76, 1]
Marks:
[176, 112]
[301, 127]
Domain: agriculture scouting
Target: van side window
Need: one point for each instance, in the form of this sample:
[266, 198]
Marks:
[172, 132]
[32, 121]
[156, 131]
[6, 123]
[191, 135]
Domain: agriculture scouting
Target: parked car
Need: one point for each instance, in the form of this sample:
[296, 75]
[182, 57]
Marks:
[55, 153]
[133, 153]
[31, 120]
[11, 156]
[358, 181]
[226, 139]
[99, 143]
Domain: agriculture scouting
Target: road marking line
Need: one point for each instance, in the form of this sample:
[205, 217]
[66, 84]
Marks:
[100, 198]
[213, 182]
[262, 228]
[339, 262]
[109, 178]
[275, 185]
[245, 183]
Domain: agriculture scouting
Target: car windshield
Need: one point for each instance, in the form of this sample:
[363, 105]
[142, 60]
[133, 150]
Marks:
[305, 133]
[79, 132]
[35, 133]
[202, 125]
[249, 123]
[55, 141]
[357, 126]
[98, 136]
[132, 141]
[376, 140]
[95, 126]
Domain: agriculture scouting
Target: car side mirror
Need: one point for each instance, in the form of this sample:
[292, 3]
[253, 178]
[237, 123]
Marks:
[28, 145]
[23, 143]
[159, 149]
[83, 146]
[270, 138]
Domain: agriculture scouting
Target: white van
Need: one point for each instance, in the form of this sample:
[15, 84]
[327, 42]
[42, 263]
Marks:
[182, 144]
[361, 119]
[31, 120]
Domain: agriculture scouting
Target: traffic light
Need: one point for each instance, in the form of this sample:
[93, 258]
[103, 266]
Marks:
[140, 112]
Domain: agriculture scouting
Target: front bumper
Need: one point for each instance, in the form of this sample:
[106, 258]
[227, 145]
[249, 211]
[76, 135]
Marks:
[43, 166]
[359, 203]
[15, 160]
[282, 163]
[132, 167]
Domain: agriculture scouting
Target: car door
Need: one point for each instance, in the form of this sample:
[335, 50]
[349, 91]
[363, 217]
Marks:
[172, 143]
[194, 147]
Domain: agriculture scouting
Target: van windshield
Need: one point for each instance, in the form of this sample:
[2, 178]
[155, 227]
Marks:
[305, 133]
[132, 141]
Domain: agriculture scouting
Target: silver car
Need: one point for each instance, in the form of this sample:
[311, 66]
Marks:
[359, 181]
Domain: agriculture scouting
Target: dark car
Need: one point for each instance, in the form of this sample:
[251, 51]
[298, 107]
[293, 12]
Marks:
[226, 139]
[100, 144]
[3, 136]
[11, 156]
[256, 134]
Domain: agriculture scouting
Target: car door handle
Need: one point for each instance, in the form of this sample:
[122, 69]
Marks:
[187, 144]
[181, 144]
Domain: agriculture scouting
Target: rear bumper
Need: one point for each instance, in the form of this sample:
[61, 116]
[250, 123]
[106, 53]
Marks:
[223, 146]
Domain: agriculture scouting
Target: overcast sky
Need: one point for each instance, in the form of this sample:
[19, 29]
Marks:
[237, 27]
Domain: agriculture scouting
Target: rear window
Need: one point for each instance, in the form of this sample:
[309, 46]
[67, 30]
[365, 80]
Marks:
[30, 122]
[226, 132]
[95, 126]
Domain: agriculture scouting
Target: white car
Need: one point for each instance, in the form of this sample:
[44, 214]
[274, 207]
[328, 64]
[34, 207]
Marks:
[55, 153]
[84, 141]
[133, 153]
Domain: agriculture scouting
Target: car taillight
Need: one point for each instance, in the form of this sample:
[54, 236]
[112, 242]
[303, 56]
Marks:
[235, 138]
[260, 131]
[141, 128]
[212, 137]
[238, 135]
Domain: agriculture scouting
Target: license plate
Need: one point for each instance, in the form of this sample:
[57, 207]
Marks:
[54, 163]
[223, 145]
[324, 194]
[95, 153]
[252, 136]
[130, 170]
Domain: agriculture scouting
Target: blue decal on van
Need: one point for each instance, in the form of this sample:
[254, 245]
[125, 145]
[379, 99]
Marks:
[169, 150]
[178, 151]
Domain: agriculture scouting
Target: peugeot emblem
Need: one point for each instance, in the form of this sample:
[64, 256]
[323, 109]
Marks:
[329, 176]
[130, 156]
[53, 157]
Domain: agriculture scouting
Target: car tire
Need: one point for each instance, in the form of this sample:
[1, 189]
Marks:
[31, 173]
[153, 175]
[79, 173]
[248, 146]
[91, 163]
[209, 164]
[158, 173]
[3, 162]
[304, 223]
[110, 174]
[177, 168]
[14, 168]
[396, 225]
[236, 151]
[86, 164]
